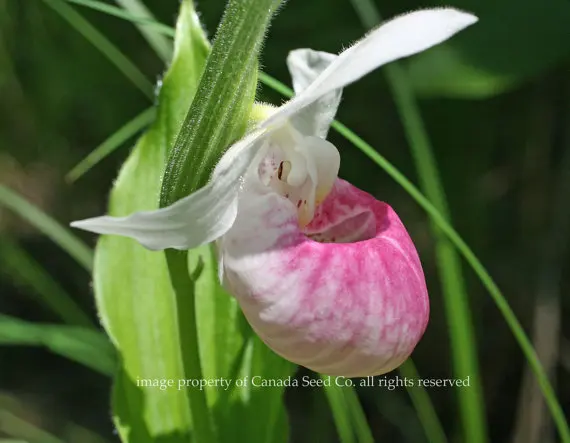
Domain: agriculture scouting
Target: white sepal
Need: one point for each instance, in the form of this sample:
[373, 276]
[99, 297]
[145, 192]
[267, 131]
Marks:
[398, 38]
[200, 218]
[305, 65]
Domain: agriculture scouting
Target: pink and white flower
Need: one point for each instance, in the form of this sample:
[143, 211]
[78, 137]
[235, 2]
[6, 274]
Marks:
[326, 275]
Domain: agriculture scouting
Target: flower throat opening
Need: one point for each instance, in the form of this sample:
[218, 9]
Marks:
[352, 229]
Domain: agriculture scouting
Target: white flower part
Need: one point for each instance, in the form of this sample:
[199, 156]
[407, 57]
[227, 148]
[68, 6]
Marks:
[397, 38]
[192, 221]
[305, 65]
[301, 165]
[301, 169]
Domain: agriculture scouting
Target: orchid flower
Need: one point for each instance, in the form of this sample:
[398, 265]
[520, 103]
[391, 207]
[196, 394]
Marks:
[326, 275]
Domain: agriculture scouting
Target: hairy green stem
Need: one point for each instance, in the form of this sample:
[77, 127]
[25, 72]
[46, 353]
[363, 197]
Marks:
[217, 115]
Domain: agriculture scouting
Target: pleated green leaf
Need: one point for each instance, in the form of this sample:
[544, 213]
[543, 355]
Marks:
[132, 286]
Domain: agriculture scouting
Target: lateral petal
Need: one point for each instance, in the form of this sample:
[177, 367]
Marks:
[197, 219]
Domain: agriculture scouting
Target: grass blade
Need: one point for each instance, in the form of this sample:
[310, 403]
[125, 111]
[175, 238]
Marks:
[161, 45]
[85, 346]
[18, 265]
[462, 334]
[423, 405]
[102, 43]
[11, 424]
[363, 432]
[147, 20]
[478, 268]
[115, 140]
[341, 413]
[48, 226]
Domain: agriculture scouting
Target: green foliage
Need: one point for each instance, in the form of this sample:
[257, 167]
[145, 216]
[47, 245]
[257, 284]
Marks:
[20, 267]
[341, 414]
[115, 140]
[85, 346]
[219, 114]
[158, 42]
[140, 15]
[423, 405]
[105, 46]
[514, 41]
[230, 349]
[47, 226]
[12, 425]
[132, 286]
[141, 312]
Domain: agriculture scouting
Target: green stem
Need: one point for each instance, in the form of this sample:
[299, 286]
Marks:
[183, 286]
[217, 116]
[363, 431]
[462, 335]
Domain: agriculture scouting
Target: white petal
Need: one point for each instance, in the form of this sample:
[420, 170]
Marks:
[305, 65]
[192, 221]
[395, 39]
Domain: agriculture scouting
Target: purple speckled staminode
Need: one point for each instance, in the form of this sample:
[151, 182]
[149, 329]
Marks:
[353, 303]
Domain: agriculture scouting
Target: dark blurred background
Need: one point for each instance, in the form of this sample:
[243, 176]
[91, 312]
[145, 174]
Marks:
[496, 103]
